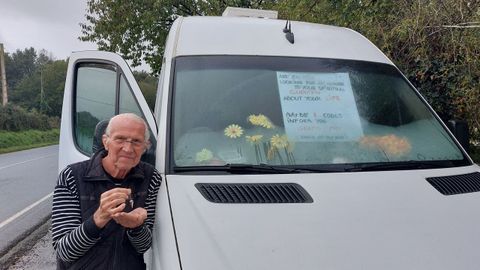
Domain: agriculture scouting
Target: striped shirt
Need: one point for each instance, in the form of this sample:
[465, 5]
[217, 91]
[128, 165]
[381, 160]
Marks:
[72, 238]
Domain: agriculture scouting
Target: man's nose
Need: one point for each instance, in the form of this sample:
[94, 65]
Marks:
[127, 146]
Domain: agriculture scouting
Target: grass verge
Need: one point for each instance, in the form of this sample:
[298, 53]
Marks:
[21, 140]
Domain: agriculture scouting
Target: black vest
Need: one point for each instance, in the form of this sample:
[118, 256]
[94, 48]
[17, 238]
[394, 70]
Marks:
[113, 250]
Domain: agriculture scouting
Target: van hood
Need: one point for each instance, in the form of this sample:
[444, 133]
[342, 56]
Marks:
[360, 220]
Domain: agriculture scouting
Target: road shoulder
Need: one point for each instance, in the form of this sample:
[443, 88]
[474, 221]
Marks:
[24, 244]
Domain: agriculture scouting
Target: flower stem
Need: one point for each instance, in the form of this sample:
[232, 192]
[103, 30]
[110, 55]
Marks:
[279, 156]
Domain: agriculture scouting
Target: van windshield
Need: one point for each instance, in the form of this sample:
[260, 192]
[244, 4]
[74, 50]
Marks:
[294, 112]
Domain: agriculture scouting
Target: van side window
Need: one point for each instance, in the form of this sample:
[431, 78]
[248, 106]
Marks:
[94, 101]
[127, 102]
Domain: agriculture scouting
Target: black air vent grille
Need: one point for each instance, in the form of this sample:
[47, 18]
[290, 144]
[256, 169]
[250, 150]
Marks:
[456, 184]
[254, 193]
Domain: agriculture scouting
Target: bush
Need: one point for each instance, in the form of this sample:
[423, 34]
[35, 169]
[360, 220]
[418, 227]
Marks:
[475, 153]
[15, 118]
[17, 140]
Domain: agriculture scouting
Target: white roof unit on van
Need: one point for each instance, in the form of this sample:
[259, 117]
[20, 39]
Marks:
[256, 36]
[246, 12]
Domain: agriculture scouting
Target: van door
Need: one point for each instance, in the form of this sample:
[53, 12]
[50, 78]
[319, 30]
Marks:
[98, 86]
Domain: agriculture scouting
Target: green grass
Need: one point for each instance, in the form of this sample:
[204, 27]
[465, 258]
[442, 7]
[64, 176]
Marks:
[15, 141]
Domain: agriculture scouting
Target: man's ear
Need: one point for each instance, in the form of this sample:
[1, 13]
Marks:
[105, 140]
[147, 146]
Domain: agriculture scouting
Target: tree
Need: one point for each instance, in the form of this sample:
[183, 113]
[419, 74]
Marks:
[19, 64]
[42, 90]
[138, 29]
[54, 75]
[148, 85]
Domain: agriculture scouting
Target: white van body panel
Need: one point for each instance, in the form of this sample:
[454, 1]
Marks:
[68, 153]
[196, 37]
[163, 253]
[370, 220]
[161, 107]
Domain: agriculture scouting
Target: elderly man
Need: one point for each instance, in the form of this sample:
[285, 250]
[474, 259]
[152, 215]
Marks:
[103, 208]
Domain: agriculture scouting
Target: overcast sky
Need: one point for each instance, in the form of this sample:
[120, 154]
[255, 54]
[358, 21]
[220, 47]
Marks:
[52, 25]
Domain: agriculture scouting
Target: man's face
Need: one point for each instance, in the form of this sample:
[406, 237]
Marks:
[125, 144]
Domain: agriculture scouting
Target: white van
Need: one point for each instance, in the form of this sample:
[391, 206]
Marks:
[303, 148]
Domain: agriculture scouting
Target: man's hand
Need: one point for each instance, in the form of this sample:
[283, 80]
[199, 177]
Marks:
[131, 220]
[112, 202]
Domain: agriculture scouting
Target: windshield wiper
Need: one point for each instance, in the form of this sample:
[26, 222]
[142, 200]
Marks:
[401, 165]
[238, 168]
[261, 168]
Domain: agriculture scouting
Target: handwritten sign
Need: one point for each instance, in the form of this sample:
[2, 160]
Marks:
[318, 106]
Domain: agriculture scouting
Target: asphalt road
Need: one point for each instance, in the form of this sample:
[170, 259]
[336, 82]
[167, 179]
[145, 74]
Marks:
[27, 179]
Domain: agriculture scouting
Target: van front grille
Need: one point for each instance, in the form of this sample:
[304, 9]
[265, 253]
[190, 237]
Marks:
[456, 184]
[254, 193]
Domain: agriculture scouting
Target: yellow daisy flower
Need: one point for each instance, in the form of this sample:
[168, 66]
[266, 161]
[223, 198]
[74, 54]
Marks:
[255, 120]
[254, 139]
[278, 141]
[267, 124]
[260, 120]
[204, 155]
[233, 131]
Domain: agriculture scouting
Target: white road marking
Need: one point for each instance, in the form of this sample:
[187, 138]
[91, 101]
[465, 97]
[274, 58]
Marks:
[12, 218]
[26, 161]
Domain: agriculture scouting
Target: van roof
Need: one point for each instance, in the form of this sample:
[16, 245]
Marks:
[259, 36]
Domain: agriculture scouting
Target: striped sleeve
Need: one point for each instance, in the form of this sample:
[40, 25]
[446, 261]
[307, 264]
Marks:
[70, 237]
[141, 238]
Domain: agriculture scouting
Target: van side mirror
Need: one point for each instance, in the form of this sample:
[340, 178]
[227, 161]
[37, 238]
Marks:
[459, 128]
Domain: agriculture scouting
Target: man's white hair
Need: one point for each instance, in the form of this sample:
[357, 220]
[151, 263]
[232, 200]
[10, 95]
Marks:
[131, 116]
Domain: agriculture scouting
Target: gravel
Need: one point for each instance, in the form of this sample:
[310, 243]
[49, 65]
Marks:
[40, 256]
